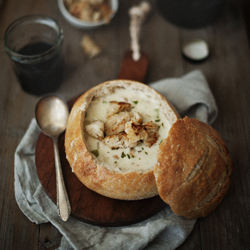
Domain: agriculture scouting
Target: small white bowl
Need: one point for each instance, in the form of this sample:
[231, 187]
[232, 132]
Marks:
[80, 24]
[196, 50]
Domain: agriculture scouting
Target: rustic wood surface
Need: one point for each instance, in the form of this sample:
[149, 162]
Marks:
[227, 71]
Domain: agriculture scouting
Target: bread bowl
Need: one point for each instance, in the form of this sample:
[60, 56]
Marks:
[114, 173]
[187, 163]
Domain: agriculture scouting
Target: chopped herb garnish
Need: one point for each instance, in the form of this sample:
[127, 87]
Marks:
[123, 155]
[108, 152]
[160, 142]
[104, 102]
[128, 156]
[162, 124]
[95, 152]
[157, 110]
[135, 102]
[157, 120]
[142, 148]
[146, 153]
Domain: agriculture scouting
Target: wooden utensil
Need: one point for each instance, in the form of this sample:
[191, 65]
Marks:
[135, 63]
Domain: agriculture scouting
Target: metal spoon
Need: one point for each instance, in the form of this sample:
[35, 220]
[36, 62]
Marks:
[52, 115]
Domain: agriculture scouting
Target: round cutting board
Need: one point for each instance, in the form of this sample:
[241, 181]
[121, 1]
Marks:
[87, 205]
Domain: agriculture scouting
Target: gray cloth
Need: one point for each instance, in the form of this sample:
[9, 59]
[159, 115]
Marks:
[191, 96]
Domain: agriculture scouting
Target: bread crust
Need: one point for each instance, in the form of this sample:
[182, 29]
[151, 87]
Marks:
[96, 175]
[195, 174]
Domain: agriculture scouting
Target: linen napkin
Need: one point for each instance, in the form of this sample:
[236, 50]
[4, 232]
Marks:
[191, 96]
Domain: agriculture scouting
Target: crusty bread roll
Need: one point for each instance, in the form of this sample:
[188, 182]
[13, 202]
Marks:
[194, 170]
[126, 141]
[121, 173]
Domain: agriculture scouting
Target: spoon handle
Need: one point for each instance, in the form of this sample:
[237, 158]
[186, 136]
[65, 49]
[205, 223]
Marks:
[63, 205]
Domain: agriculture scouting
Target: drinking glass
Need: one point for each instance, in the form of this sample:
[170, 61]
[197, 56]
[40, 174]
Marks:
[34, 44]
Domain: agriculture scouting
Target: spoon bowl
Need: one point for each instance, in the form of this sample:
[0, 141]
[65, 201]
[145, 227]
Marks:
[52, 114]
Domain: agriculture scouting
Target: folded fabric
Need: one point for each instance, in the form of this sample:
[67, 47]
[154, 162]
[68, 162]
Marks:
[191, 96]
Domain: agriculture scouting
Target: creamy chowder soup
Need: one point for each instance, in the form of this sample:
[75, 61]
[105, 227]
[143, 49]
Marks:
[140, 157]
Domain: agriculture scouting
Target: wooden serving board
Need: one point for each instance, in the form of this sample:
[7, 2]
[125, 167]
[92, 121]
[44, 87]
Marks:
[87, 205]
[134, 70]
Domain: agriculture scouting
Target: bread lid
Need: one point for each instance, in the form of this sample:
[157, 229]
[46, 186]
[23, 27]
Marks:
[194, 168]
[134, 180]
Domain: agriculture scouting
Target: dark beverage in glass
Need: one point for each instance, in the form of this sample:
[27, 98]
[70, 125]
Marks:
[34, 44]
[41, 77]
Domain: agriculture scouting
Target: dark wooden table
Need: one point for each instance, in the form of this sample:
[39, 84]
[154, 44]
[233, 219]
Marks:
[227, 71]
